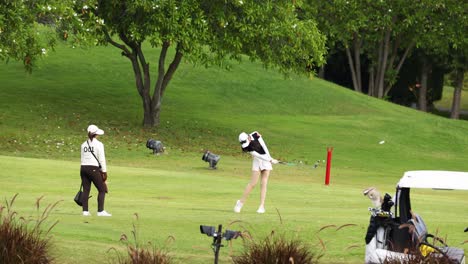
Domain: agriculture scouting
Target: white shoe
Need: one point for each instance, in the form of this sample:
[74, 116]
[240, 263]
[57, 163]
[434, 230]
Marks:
[103, 213]
[261, 210]
[86, 213]
[238, 206]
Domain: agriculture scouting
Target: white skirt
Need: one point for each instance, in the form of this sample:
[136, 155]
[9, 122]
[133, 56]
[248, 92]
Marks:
[259, 165]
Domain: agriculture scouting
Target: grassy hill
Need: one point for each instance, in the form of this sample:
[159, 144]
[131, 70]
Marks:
[43, 119]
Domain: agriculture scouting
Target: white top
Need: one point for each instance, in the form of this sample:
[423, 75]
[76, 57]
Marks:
[450, 180]
[87, 157]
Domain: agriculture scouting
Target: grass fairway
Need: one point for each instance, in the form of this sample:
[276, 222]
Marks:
[43, 118]
[173, 203]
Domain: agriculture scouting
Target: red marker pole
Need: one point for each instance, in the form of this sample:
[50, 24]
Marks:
[329, 156]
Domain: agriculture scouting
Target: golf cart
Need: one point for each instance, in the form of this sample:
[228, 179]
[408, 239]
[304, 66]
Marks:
[399, 236]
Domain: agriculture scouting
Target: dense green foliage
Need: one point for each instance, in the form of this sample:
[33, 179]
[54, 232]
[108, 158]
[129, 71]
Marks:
[378, 37]
[20, 37]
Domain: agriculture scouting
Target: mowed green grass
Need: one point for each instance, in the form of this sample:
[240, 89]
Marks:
[43, 119]
[172, 203]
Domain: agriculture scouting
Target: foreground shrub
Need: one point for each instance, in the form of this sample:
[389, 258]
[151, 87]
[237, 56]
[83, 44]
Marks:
[24, 241]
[141, 255]
[277, 250]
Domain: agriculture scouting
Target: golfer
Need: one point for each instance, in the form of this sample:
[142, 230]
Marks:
[93, 169]
[261, 166]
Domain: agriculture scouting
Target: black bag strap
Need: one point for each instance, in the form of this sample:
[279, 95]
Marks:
[92, 152]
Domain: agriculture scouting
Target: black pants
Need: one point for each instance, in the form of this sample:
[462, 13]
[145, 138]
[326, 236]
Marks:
[92, 174]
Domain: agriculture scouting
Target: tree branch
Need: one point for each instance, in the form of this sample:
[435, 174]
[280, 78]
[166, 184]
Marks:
[172, 68]
[162, 59]
[109, 39]
[357, 59]
[351, 67]
[400, 63]
[143, 89]
[383, 65]
[145, 66]
[396, 45]
[405, 54]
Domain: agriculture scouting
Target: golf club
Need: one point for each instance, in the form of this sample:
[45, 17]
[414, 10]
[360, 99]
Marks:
[286, 163]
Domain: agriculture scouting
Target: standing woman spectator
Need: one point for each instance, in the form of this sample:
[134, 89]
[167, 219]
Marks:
[93, 169]
[261, 166]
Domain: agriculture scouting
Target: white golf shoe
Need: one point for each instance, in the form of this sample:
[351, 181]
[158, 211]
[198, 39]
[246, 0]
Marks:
[261, 210]
[238, 206]
[86, 213]
[103, 213]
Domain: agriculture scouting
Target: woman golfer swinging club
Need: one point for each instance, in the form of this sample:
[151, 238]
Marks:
[261, 165]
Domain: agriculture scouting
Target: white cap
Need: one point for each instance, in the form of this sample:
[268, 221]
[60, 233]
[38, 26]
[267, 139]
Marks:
[94, 130]
[244, 139]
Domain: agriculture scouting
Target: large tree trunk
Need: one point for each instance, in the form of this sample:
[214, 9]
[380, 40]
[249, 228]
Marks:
[321, 73]
[150, 116]
[352, 69]
[422, 96]
[357, 60]
[132, 50]
[387, 56]
[141, 70]
[151, 104]
[355, 64]
[382, 64]
[164, 77]
[371, 89]
[455, 112]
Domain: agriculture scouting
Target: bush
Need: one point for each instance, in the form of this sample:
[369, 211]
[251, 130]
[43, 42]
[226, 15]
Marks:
[277, 250]
[21, 240]
[139, 255]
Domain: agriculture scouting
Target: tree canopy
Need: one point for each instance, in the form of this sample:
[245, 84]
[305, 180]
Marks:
[21, 37]
[205, 32]
[384, 34]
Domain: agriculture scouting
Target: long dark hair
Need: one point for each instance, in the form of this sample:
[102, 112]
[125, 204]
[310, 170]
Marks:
[91, 136]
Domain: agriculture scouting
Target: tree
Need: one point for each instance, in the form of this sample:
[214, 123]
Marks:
[444, 41]
[381, 32]
[21, 37]
[204, 31]
[342, 21]
[457, 24]
[458, 85]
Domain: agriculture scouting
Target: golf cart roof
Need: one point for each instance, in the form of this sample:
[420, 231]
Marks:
[447, 180]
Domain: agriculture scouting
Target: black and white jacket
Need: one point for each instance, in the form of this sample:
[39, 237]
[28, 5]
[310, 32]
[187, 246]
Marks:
[257, 147]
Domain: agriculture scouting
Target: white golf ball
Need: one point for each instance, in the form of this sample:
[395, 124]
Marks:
[381, 142]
